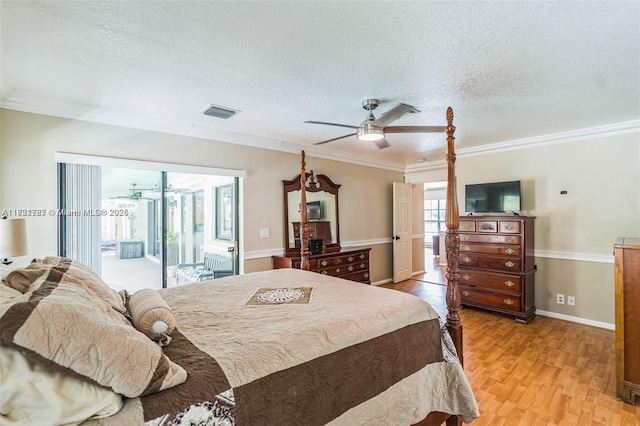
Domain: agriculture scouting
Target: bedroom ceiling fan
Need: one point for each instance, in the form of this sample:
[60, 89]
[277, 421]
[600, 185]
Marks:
[374, 129]
[135, 194]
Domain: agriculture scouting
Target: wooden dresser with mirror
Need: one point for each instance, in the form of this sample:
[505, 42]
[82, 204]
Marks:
[327, 256]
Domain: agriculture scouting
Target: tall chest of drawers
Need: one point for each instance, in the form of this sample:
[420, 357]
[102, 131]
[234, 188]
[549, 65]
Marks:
[497, 264]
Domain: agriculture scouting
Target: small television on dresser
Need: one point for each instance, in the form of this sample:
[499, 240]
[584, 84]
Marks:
[494, 197]
[314, 210]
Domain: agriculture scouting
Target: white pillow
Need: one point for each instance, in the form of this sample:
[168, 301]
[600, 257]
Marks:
[32, 394]
[4, 271]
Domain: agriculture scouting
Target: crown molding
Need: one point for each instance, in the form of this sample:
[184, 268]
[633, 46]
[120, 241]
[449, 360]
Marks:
[70, 110]
[422, 170]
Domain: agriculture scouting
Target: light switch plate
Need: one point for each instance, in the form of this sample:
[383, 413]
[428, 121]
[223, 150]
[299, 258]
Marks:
[264, 233]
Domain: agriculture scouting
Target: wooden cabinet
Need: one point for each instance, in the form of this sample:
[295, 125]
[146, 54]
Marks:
[318, 229]
[626, 254]
[496, 264]
[351, 265]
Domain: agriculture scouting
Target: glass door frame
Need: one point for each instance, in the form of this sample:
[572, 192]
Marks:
[163, 168]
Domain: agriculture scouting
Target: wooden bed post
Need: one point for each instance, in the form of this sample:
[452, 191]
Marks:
[304, 221]
[452, 248]
[452, 241]
[452, 245]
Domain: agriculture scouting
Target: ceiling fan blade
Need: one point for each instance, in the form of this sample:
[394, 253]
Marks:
[335, 139]
[332, 124]
[414, 129]
[393, 114]
[382, 143]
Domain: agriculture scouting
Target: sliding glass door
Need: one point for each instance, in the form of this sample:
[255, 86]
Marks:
[157, 227]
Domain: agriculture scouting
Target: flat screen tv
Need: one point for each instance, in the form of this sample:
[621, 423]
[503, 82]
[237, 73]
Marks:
[314, 210]
[495, 197]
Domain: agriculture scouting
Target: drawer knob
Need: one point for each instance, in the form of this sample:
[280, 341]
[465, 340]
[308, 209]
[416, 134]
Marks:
[366, 275]
[509, 227]
[350, 258]
[466, 226]
[465, 238]
[466, 259]
[466, 248]
[509, 264]
[350, 268]
[337, 270]
[466, 277]
[465, 293]
[509, 240]
[509, 251]
[362, 265]
[362, 256]
[324, 272]
[508, 301]
[323, 263]
[509, 283]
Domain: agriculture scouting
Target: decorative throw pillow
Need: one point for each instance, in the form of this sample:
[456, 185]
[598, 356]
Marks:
[152, 316]
[84, 275]
[69, 322]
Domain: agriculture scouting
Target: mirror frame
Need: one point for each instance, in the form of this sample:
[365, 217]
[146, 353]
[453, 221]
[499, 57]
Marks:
[319, 183]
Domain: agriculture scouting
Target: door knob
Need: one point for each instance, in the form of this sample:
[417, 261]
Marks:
[396, 237]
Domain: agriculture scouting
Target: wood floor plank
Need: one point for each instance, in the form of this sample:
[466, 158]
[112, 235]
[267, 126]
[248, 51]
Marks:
[548, 372]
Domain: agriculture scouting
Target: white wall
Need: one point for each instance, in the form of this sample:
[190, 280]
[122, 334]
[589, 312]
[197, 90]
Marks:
[29, 180]
[574, 233]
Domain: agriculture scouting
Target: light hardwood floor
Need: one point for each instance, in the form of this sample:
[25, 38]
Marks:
[548, 372]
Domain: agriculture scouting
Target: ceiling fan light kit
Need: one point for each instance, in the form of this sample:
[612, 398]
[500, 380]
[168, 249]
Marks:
[369, 132]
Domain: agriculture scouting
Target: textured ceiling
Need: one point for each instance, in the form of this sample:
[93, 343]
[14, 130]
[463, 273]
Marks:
[510, 70]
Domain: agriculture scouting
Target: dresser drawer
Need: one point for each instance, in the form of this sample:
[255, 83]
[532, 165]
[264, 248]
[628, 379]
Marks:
[509, 227]
[490, 249]
[500, 282]
[361, 277]
[348, 268]
[337, 260]
[467, 226]
[493, 239]
[474, 296]
[488, 226]
[490, 262]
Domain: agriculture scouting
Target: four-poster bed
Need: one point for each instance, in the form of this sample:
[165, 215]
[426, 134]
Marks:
[284, 346]
[452, 244]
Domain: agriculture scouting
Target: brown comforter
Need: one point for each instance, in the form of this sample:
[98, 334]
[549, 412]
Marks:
[355, 354]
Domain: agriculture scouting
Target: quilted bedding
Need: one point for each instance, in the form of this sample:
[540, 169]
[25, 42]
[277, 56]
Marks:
[68, 320]
[355, 354]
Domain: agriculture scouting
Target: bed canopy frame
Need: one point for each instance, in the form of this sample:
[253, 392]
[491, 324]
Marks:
[452, 247]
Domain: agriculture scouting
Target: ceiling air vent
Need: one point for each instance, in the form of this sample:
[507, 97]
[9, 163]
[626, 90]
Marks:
[219, 112]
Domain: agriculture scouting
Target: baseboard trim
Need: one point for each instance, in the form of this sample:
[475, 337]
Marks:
[578, 320]
[388, 280]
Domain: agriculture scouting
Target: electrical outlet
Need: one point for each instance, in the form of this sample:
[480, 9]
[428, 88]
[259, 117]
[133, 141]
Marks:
[264, 233]
[571, 300]
[560, 299]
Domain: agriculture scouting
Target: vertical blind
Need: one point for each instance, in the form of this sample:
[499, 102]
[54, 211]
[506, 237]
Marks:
[80, 198]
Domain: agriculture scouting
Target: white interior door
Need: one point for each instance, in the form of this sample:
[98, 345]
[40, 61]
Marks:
[401, 231]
